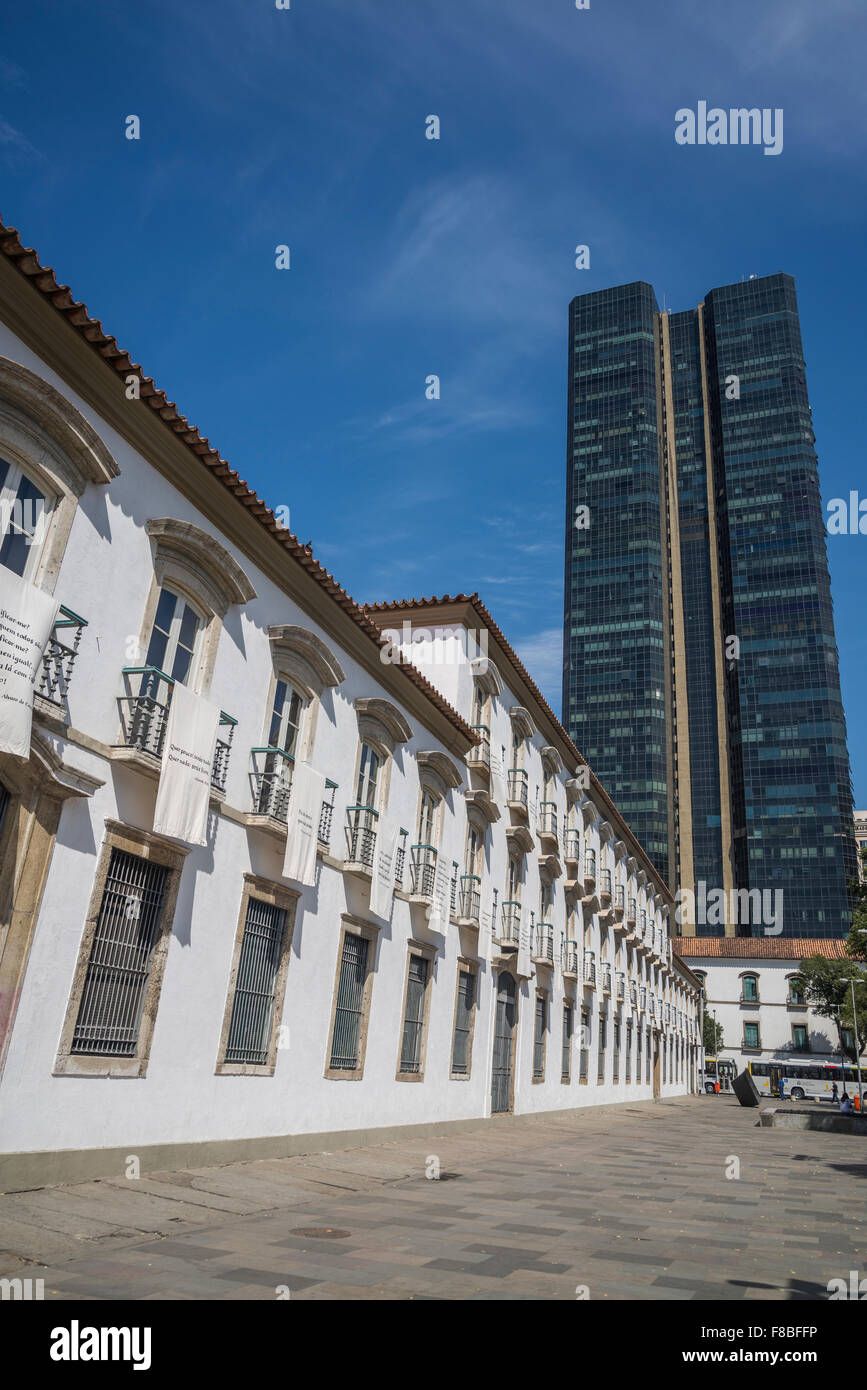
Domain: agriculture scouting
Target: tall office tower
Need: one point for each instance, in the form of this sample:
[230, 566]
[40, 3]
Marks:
[700, 666]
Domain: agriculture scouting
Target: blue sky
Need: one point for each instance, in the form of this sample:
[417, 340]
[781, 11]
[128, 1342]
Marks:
[411, 257]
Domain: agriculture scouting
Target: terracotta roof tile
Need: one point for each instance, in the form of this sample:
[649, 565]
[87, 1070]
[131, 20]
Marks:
[757, 947]
[44, 281]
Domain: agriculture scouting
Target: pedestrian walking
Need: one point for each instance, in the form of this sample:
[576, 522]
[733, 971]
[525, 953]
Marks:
[835, 1094]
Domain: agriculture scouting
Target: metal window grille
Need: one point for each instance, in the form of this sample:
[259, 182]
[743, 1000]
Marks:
[600, 1059]
[628, 1052]
[121, 955]
[463, 1023]
[617, 1052]
[539, 1037]
[647, 1060]
[4, 803]
[413, 1023]
[566, 1062]
[350, 1003]
[252, 1021]
[585, 1045]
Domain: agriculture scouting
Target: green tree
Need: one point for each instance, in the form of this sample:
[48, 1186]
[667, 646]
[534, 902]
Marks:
[856, 941]
[712, 1037]
[830, 996]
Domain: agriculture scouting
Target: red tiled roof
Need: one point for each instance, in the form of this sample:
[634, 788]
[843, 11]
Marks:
[43, 280]
[396, 605]
[757, 947]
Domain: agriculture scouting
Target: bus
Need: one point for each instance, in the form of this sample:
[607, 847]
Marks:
[805, 1078]
[720, 1069]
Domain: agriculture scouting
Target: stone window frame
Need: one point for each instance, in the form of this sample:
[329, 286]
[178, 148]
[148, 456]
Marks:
[465, 965]
[790, 1002]
[806, 1031]
[756, 1046]
[301, 658]
[196, 565]
[44, 434]
[751, 975]
[145, 845]
[428, 952]
[383, 728]
[353, 926]
[285, 900]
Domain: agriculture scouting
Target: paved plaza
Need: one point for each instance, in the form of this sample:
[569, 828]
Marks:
[627, 1202]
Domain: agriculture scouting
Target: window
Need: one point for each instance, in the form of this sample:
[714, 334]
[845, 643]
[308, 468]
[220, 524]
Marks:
[638, 1035]
[461, 1046]
[362, 817]
[251, 1025]
[540, 1029]
[585, 1046]
[115, 993]
[629, 1052]
[174, 636]
[413, 1015]
[368, 773]
[121, 957]
[647, 1052]
[600, 1056]
[480, 705]
[751, 1036]
[750, 989]
[23, 512]
[513, 886]
[274, 774]
[566, 1062]
[351, 1005]
[473, 853]
[797, 993]
[616, 1050]
[799, 1037]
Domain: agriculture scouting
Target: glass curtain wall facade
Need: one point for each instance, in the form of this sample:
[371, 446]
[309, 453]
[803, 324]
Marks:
[700, 664]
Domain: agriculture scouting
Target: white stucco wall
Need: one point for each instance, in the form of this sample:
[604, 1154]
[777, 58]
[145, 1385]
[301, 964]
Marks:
[106, 575]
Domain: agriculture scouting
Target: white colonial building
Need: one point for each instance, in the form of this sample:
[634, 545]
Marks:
[754, 990]
[475, 930]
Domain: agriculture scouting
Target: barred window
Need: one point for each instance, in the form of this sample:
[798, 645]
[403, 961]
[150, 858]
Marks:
[566, 1063]
[413, 1022]
[585, 1045]
[121, 955]
[252, 1022]
[539, 1037]
[463, 1023]
[345, 1042]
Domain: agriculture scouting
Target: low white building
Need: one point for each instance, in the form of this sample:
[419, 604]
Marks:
[754, 990]
[191, 1002]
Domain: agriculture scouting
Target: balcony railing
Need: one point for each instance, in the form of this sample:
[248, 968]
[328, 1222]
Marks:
[423, 868]
[642, 1002]
[543, 944]
[605, 883]
[518, 785]
[361, 827]
[144, 717]
[59, 656]
[469, 897]
[572, 845]
[590, 864]
[606, 978]
[642, 924]
[589, 968]
[570, 958]
[621, 986]
[271, 782]
[633, 992]
[619, 896]
[548, 819]
[480, 755]
[633, 911]
[509, 933]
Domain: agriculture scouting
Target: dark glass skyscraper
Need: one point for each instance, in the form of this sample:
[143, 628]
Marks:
[700, 665]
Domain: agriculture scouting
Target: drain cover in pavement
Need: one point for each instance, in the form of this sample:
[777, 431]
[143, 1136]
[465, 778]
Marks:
[323, 1232]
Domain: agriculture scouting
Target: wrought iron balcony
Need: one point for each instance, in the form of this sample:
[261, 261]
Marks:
[572, 845]
[58, 659]
[469, 898]
[590, 865]
[606, 977]
[633, 992]
[144, 717]
[509, 933]
[619, 897]
[632, 914]
[642, 924]
[361, 827]
[548, 820]
[518, 786]
[621, 985]
[270, 785]
[423, 868]
[590, 969]
[480, 755]
[571, 961]
[605, 884]
[543, 944]
[642, 1002]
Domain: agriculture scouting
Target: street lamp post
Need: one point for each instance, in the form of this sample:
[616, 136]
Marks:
[851, 981]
